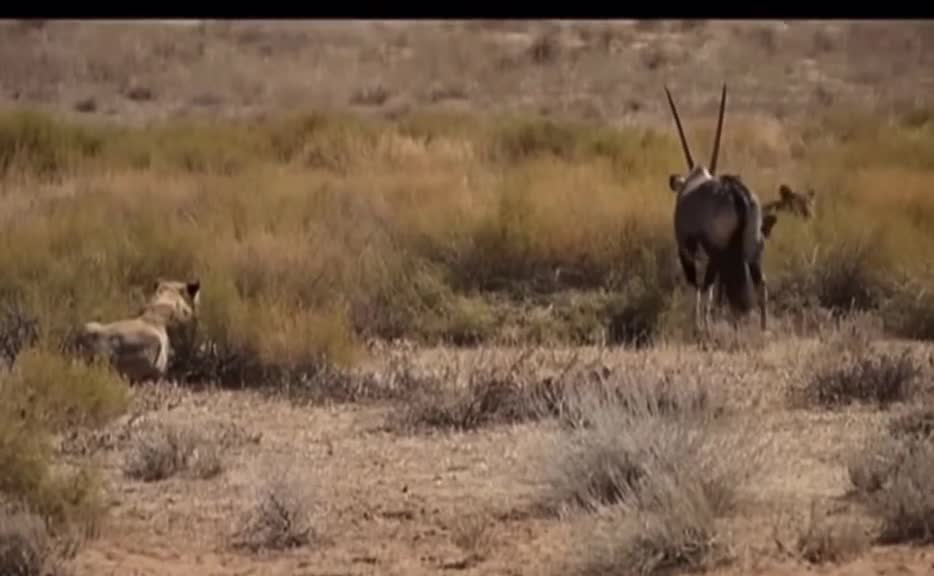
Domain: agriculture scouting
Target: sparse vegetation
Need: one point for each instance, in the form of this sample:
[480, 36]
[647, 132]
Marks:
[881, 379]
[893, 474]
[482, 395]
[471, 534]
[681, 536]
[160, 451]
[25, 545]
[825, 539]
[622, 431]
[46, 393]
[659, 465]
[278, 518]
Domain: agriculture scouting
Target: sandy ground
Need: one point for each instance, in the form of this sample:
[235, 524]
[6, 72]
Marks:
[384, 502]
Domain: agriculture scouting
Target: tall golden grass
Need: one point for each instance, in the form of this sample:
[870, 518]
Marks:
[315, 231]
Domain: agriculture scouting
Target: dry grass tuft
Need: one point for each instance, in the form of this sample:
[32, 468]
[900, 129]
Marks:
[18, 330]
[27, 548]
[47, 394]
[894, 475]
[278, 518]
[472, 536]
[905, 504]
[467, 398]
[658, 463]
[850, 369]
[882, 379]
[160, 451]
[916, 423]
[615, 437]
[825, 540]
[24, 545]
[678, 536]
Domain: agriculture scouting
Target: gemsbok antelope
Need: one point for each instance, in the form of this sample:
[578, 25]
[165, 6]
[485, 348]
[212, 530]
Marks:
[720, 215]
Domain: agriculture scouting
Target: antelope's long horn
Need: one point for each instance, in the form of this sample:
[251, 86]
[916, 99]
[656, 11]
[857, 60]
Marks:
[716, 141]
[684, 142]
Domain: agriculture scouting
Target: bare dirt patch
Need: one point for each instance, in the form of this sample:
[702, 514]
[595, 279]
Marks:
[470, 501]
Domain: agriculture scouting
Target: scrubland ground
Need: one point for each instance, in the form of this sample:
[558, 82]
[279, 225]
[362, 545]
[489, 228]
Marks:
[442, 327]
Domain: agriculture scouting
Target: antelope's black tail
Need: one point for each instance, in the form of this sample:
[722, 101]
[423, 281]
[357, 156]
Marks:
[734, 261]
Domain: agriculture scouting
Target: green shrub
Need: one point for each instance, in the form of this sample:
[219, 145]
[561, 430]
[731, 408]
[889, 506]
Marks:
[48, 393]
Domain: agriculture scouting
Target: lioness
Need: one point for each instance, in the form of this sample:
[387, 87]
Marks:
[139, 347]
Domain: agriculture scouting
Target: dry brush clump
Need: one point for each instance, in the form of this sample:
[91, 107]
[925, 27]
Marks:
[851, 368]
[872, 377]
[43, 395]
[162, 450]
[892, 475]
[880, 379]
[482, 393]
[278, 516]
[26, 547]
[46, 394]
[659, 464]
[823, 537]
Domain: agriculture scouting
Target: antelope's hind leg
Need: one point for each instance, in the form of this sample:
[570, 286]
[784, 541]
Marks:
[710, 277]
[758, 278]
[685, 256]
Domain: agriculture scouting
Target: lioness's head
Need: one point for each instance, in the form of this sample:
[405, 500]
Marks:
[176, 301]
[800, 204]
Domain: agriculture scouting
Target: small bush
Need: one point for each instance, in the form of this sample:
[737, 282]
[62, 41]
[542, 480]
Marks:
[18, 330]
[279, 517]
[917, 423]
[48, 393]
[655, 534]
[619, 435]
[471, 534]
[894, 475]
[25, 546]
[490, 396]
[880, 379]
[846, 280]
[910, 315]
[162, 451]
[905, 502]
[658, 467]
[60, 392]
[824, 540]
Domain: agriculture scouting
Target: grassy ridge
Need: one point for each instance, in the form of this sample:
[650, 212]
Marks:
[315, 231]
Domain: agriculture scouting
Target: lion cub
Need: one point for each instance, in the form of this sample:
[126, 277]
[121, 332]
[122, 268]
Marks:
[139, 347]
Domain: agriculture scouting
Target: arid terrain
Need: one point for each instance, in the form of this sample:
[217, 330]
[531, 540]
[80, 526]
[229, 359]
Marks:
[442, 329]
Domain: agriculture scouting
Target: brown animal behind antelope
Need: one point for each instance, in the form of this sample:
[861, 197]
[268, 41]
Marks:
[797, 204]
[139, 348]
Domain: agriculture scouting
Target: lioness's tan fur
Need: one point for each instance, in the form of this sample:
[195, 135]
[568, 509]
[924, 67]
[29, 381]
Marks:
[139, 347]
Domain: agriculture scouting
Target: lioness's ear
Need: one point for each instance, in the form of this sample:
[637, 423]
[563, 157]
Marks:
[767, 223]
[194, 290]
[785, 192]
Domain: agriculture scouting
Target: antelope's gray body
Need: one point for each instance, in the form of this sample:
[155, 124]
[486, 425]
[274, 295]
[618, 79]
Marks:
[722, 217]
